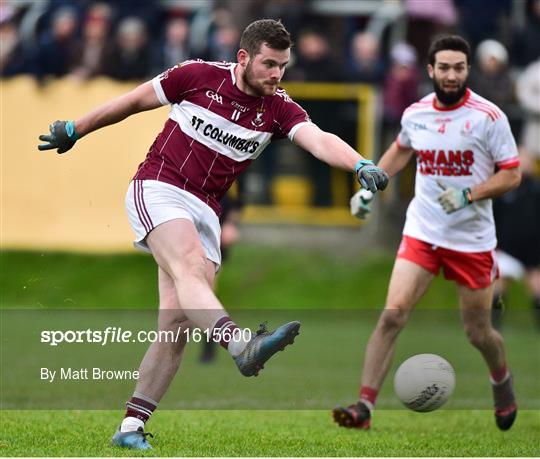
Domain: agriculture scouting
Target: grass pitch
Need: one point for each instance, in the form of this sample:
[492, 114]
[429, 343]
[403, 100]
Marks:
[253, 277]
[271, 433]
[286, 411]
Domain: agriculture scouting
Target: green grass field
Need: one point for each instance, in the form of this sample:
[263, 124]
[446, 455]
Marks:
[252, 278]
[271, 433]
[210, 410]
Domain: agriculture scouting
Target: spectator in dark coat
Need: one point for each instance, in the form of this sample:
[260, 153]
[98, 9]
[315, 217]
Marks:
[57, 47]
[365, 64]
[129, 58]
[174, 47]
[314, 60]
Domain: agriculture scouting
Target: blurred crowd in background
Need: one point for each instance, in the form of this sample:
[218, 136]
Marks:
[383, 43]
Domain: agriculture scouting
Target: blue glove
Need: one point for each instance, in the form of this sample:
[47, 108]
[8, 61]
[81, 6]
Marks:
[371, 177]
[63, 136]
[452, 199]
[360, 203]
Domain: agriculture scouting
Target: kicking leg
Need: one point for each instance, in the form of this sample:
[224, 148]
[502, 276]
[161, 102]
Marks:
[408, 284]
[476, 314]
[178, 251]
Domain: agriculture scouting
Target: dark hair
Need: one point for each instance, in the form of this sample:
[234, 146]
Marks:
[452, 42]
[268, 31]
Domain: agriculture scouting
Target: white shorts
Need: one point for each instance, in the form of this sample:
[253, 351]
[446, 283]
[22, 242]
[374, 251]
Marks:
[509, 266]
[150, 203]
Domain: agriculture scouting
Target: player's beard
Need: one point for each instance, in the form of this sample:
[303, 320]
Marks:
[253, 84]
[446, 97]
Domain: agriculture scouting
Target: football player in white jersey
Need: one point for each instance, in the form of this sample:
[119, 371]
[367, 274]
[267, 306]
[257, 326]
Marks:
[222, 116]
[465, 155]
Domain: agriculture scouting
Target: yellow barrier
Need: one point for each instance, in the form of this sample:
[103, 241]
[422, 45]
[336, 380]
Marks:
[294, 210]
[76, 201]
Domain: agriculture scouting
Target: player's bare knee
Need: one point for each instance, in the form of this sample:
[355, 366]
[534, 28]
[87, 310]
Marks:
[478, 340]
[189, 270]
[174, 329]
[168, 300]
[477, 335]
[393, 320]
[171, 319]
[183, 331]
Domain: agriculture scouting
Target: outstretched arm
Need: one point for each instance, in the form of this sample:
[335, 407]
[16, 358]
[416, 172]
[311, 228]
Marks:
[138, 100]
[64, 134]
[327, 147]
[330, 149]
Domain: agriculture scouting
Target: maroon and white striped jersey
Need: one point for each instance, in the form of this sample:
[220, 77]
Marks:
[214, 130]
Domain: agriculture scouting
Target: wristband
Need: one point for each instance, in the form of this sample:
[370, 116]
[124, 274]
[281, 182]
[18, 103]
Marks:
[362, 163]
[467, 194]
[70, 131]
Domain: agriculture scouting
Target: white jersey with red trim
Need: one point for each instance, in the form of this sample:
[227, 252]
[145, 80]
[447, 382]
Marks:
[460, 146]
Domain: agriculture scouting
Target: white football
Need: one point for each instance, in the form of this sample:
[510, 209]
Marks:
[424, 382]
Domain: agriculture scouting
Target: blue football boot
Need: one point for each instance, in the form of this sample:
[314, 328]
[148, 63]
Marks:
[263, 346]
[135, 439]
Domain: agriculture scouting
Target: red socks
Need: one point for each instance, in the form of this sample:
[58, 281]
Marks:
[500, 375]
[368, 395]
[224, 329]
[139, 408]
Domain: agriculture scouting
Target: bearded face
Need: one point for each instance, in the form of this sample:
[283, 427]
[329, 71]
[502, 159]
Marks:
[450, 74]
[263, 72]
[259, 88]
[449, 94]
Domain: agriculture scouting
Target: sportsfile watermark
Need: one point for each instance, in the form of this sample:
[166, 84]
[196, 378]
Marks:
[93, 359]
[119, 335]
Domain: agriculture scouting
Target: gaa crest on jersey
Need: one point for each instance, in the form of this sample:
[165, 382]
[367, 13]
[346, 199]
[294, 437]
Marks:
[466, 128]
[258, 121]
[214, 96]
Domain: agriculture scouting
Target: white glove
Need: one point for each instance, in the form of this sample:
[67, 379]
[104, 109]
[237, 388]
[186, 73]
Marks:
[360, 203]
[452, 199]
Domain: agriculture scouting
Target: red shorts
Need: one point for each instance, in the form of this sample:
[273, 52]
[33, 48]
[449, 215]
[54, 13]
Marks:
[474, 270]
